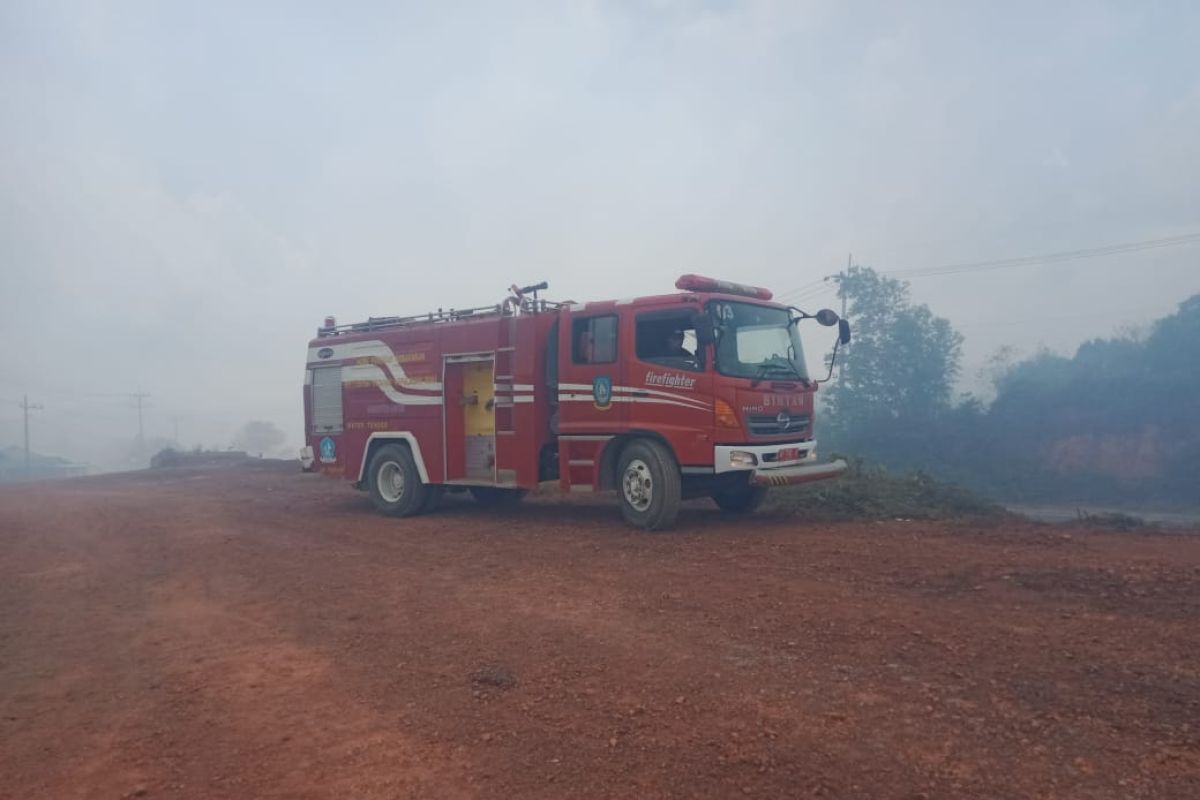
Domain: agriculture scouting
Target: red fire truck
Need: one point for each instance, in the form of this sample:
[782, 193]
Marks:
[703, 392]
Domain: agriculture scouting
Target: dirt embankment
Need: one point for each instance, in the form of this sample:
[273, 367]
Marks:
[255, 632]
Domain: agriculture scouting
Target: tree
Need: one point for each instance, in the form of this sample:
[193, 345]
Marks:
[896, 378]
[1115, 422]
[258, 438]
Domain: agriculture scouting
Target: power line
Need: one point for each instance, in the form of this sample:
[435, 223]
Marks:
[801, 299]
[816, 292]
[813, 299]
[1048, 258]
[808, 290]
[1018, 261]
[802, 289]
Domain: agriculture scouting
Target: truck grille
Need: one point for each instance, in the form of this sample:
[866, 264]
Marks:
[777, 424]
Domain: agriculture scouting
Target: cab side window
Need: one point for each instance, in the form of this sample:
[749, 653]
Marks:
[594, 340]
[669, 338]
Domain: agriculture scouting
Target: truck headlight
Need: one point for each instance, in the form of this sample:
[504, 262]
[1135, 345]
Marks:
[742, 458]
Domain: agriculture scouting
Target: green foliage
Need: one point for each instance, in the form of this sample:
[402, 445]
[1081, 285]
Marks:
[1136, 394]
[1117, 422]
[898, 373]
[1114, 520]
[169, 457]
[870, 491]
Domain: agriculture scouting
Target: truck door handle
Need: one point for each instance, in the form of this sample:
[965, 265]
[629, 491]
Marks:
[640, 393]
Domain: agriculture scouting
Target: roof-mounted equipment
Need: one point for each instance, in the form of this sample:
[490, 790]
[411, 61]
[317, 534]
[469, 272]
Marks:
[699, 283]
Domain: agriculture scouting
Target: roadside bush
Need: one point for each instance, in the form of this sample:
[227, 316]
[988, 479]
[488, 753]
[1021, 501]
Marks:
[870, 491]
[169, 457]
[1113, 520]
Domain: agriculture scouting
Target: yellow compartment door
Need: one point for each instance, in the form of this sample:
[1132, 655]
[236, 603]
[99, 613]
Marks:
[479, 421]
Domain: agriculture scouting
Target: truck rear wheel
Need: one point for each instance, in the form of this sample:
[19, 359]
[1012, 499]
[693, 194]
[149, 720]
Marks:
[496, 497]
[395, 483]
[742, 497]
[649, 485]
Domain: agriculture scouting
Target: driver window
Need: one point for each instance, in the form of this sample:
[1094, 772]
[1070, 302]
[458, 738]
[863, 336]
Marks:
[594, 340]
[668, 338]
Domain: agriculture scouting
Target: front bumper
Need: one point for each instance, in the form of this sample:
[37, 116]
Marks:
[775, 464]
[785, 476]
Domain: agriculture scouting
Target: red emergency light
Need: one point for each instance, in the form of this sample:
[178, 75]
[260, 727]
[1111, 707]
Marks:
[699, 283]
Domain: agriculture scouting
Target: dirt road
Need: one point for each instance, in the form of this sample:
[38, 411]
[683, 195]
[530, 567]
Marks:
[261, 633]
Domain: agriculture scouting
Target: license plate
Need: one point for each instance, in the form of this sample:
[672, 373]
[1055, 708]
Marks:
[788, 454]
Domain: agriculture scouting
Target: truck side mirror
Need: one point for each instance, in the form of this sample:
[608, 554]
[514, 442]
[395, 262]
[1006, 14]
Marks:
[843, 331]
[826, 316]
[705, 333]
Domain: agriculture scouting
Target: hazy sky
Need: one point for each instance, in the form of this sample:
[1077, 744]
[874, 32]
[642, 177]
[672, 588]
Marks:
[186, 190]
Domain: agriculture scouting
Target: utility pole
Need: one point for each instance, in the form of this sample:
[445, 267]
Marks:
[138, 397]
[26, 407]
[841, 291]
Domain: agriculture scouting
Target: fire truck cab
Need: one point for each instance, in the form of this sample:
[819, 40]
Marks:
[702, 392]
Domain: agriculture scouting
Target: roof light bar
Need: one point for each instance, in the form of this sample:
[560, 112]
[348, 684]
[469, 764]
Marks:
[699, 283]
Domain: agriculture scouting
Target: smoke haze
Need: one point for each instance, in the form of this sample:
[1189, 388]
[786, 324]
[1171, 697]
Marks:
[186, 190]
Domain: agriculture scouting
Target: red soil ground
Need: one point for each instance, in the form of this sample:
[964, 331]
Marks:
[256, 632]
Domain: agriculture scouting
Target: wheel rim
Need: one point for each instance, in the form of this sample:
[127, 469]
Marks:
[390, 482]
[637, 485]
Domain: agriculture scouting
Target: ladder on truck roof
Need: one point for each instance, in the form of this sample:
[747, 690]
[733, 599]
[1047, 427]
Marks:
[511, 399]
[511, 307]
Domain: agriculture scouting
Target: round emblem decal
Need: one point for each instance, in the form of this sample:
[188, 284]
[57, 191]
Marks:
[325, 352]
[784, 420]
[602, 391]
[328, 450]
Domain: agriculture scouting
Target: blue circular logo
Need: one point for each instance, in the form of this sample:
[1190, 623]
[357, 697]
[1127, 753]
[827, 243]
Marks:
[328, 450]
[602, 391]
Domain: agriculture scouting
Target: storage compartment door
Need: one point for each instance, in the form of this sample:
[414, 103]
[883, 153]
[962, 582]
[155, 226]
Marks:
[327, 400]
[479, 421]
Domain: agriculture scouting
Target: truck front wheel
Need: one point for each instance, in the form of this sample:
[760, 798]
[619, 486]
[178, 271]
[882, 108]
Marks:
[395, 483]
[649, 485]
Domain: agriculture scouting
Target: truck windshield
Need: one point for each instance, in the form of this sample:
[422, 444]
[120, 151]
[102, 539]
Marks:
[757, 342]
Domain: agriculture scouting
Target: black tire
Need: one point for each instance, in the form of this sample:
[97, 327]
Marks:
[742, 497]
[433, 499]
[649, 486]
[496, 497]
[394, 482]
